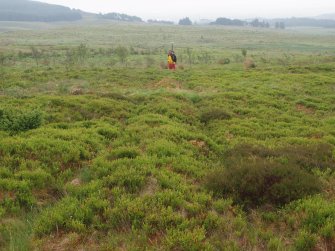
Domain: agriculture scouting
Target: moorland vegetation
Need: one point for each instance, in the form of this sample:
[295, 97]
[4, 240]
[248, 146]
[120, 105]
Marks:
[103, 148]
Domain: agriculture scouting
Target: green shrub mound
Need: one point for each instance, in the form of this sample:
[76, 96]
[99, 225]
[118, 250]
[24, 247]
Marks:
[124, 153]
[15, 121]
[263, 182]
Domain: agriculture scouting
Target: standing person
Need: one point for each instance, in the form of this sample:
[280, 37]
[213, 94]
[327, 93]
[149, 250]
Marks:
[172, 60]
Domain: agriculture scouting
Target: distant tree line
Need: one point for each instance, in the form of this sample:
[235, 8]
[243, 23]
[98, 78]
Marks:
[120, 17]
[185, 21]
[237, 22]
[227, 21]
[280, 25]
[152, 21]
[261, 24]
[294, 22]
[276, 23]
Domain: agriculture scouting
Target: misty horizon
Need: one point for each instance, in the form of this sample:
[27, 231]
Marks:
[210, 9]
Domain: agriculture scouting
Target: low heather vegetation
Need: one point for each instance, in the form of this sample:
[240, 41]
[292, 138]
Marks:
[102, 148]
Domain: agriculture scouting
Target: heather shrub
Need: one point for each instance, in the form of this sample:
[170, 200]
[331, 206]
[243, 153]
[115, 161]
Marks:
[305, 241]
[306, 157]
[15, 121]
[317, 216]
[214, 114]
[185, 240]
[123, 153]
[262, 182]
[68, 215]
[130, 179]
[163, 148]
[108, 133]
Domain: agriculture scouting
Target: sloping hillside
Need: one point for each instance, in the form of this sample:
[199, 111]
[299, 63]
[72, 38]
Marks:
[327, 16]
[23, 10]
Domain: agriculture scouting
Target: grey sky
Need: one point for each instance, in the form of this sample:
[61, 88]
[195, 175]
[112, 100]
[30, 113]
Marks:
[196, 9]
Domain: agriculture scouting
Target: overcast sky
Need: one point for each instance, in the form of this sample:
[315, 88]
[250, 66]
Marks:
[196, 9]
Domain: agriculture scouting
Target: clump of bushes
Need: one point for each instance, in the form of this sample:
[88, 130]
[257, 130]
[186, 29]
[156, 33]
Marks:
[308, 157]
[15, 121]
[214, 114]
[263, 182]
[257, 175]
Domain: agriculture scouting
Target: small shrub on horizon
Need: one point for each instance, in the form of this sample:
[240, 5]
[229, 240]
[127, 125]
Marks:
[224, 61]
[122, 53]
[244, 52]
[249, 64]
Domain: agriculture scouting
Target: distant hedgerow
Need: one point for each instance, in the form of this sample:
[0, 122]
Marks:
[15, 121]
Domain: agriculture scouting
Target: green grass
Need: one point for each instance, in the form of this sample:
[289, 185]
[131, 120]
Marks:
[101, 154]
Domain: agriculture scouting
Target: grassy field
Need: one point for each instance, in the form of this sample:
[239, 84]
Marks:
[103, 148]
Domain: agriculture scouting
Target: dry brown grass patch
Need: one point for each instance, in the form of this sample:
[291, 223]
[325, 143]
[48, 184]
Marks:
[249, 64]
[168, 83]
[304, 109]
